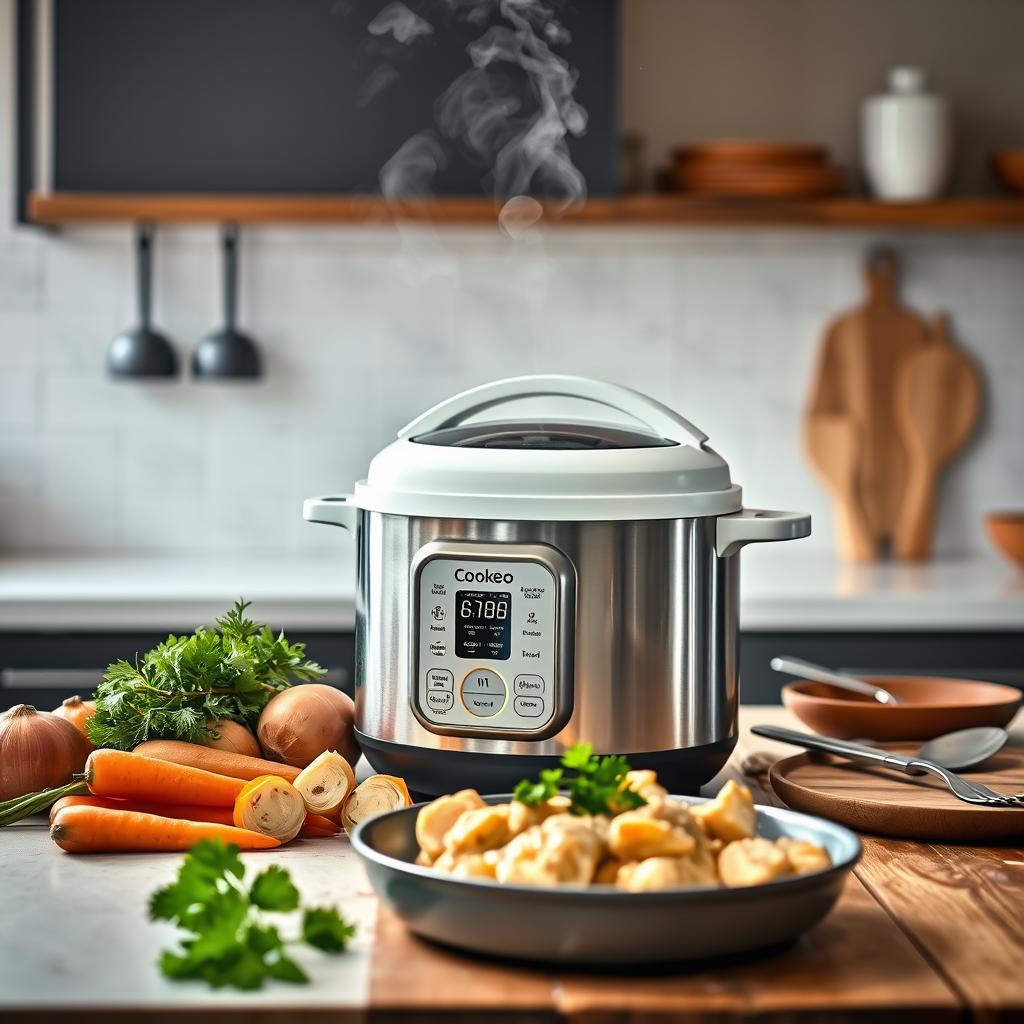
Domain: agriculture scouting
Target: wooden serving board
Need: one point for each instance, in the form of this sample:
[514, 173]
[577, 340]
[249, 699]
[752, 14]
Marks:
[888, 803]
[860, 357]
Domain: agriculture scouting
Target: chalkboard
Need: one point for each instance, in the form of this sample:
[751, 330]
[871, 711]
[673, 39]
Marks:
[317, 96]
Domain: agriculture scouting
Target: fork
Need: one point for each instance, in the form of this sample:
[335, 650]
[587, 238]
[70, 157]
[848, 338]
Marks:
[969, 792]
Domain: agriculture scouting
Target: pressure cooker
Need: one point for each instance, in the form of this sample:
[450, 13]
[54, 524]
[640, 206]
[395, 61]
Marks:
[525, 584]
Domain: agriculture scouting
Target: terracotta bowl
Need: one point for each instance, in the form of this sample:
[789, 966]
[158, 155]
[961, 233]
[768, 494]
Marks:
[1008, 168]
[932, 706]
[1006, 532]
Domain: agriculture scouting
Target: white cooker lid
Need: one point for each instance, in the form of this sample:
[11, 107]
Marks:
[544, 469]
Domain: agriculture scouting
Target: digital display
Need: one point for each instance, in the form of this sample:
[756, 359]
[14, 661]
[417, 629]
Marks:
[483, 625]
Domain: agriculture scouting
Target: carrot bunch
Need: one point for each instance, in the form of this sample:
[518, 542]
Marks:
[122, 802]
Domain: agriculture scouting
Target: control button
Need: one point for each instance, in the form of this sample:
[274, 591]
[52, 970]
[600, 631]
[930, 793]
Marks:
[531, 619]
[482, 705]
[440, 679]
[529, 686]
[440, 700]
[483, 693]
[438, 649]
[483, 680]
[529, 707]
[437, 613]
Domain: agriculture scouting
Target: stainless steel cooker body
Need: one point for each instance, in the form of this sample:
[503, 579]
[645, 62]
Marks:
[525, 584]
[649, 658]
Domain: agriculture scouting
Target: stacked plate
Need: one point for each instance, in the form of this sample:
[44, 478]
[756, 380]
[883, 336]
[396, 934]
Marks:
[761, 170]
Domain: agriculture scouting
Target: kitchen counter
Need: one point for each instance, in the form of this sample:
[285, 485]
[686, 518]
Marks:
[783, 590]
[922, 933]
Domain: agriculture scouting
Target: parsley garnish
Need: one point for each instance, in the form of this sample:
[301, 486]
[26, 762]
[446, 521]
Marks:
[229, 672]
[596, 788]
[229, 940]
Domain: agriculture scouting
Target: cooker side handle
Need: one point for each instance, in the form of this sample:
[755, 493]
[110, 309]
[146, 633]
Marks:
[757, 525]
[332, 510]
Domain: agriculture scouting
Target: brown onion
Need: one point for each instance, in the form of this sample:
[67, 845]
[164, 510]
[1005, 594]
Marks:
[233, 737]
[37, 751]
[300, 723]
[77, 712]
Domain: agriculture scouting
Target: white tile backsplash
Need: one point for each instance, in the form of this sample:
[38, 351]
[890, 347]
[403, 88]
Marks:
[362, 329]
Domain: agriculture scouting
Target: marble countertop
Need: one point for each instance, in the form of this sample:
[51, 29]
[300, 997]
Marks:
[50, 936]
[782, 589]
[59, 908]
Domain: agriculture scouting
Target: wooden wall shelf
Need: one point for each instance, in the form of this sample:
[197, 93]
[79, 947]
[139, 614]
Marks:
[961, 214]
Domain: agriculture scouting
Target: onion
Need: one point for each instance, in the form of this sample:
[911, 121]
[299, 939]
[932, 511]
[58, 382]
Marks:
[300, 723]
[38, 750]
[271, 806]
[326, 783]
[376, 795]
[233, 737]
[77, 712]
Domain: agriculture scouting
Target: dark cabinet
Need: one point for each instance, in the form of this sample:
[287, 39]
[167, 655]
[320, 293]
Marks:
[44, 668]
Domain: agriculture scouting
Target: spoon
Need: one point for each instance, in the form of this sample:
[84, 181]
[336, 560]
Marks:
[819, 674]
[964, 748]
[228, 352]
[142, 351]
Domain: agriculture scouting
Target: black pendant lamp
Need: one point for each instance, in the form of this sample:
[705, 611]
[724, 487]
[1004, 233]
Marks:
[228, 353]
[142, 351]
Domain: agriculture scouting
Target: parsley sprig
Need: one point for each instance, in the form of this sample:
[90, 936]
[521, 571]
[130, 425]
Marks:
[229, 672]
[597, 787]
[230, 942]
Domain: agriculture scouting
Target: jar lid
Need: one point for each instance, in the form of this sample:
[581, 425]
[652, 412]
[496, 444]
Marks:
[549, 469]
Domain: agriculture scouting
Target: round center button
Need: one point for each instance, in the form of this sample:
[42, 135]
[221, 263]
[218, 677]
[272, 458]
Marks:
[483, 692]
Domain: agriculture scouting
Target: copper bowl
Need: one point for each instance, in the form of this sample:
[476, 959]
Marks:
[931, 706]
[1006, 532]
[1008, 168]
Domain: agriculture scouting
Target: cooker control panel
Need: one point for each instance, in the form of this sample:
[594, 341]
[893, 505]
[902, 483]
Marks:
[492, 654]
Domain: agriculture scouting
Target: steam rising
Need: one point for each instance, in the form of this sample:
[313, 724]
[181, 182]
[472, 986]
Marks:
[411, 170]
[523, 145]
[398, 21]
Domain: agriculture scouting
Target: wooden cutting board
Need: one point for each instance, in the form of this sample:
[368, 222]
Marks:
[833, 445]
[938, 401]
[888, 803]
[861, 354]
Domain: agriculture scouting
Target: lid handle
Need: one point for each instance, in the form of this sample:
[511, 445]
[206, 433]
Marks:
[660, 418]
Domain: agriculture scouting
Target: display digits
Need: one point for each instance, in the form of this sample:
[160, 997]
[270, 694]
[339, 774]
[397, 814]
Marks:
[484, 610]
[483, 626]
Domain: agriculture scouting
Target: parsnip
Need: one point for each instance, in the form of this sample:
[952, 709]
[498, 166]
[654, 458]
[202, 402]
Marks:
[271, 806]
[325, 784]
[376, 795]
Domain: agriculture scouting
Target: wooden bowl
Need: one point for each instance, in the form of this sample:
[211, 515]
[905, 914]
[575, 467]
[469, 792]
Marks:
[1006, 532]
[1008, 168]
[751, 151]
[768, 181]
[933, 705]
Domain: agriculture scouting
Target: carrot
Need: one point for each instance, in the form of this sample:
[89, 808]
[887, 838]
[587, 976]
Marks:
[315, 827]
[102, 830]
[220, 762]
[322, 824]
[119, 774]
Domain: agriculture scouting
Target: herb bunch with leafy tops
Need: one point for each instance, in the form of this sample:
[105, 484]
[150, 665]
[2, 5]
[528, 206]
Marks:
[229, 939]
[597, 785]
[187, 683]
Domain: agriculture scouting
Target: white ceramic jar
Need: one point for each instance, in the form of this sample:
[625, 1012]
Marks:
[907, 139]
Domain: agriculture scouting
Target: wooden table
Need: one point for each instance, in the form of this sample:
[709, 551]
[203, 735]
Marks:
[922, 933]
